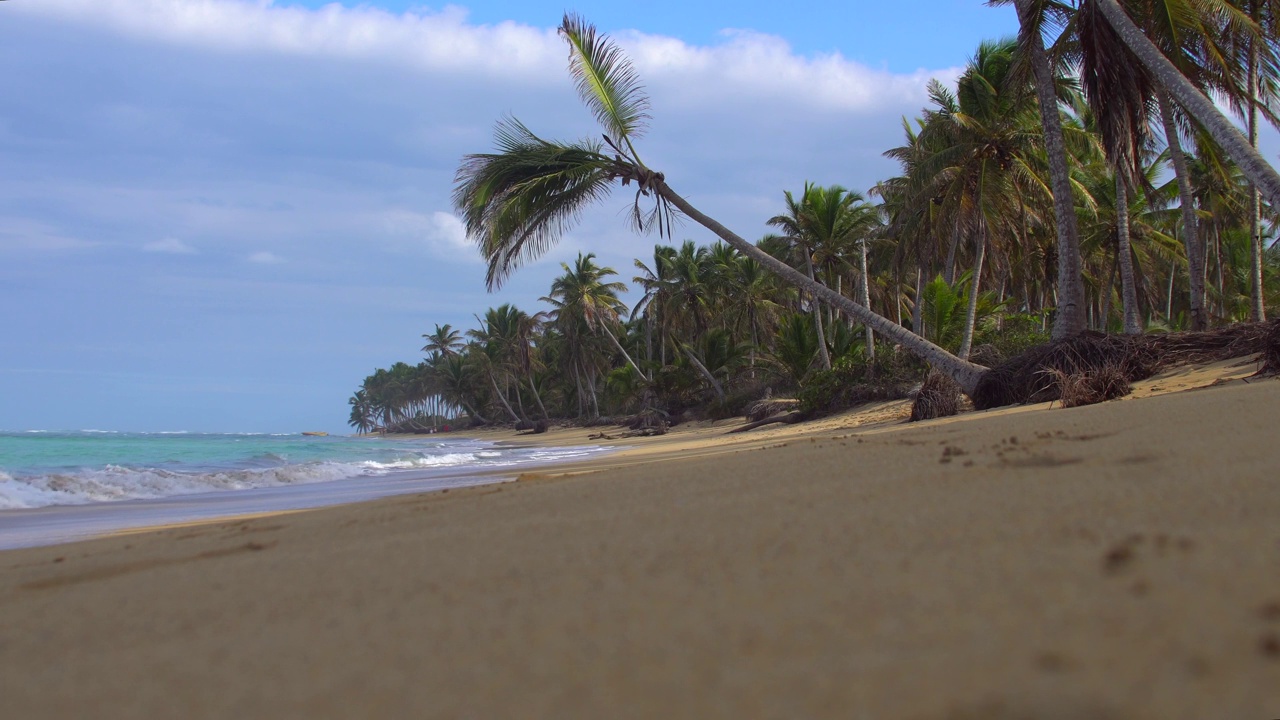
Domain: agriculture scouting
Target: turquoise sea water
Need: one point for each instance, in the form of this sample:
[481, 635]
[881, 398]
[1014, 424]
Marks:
[62, 485]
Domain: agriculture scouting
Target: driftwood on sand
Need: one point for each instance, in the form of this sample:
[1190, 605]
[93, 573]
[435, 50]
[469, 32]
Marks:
[786, 418]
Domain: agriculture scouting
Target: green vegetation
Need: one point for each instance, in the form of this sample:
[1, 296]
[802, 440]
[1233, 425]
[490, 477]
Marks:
[1035, 199]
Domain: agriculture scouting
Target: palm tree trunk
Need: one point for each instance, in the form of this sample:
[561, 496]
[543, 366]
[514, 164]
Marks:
[1124, 258]
[524, 414]
[971, 315]
[622, 350]
[1217, 261]
[1104, 302]
[538, 398]
[1190, 225]
[965, 373]
[577, 378]
[1069, 319]
[1236, 145]
[705, 373]
[1257, 307]
[917, 307]
[502, 399]
[595, 400]
[866, 302]
[472, 411]
[817, 314]
[949, 274]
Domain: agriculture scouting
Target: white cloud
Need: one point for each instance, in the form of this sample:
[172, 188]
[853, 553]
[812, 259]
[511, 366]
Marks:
[33, 235]
[440, 233]
[265, 258]
[426, 40]
[746, 65]
[172, 246]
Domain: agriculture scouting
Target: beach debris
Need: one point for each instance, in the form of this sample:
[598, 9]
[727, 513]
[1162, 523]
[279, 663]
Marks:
[1026, 378]
[1087, 388]
[652, 419]
[786, 418]
[939, 396]
[1271, 351]
[768, 407]
[987, 354]
[648, 432]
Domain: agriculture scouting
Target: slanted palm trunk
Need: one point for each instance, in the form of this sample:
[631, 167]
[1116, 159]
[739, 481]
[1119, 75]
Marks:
[1124, 258]
[1070, 318]
[1190, 225]
[817, 314]
[502, 398]
[1232, 141]
[622, 350]
[965, 373]
[581, 396]
[715, 384]
[537, 397]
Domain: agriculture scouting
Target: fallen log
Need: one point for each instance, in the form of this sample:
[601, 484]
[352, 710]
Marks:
[786, 418]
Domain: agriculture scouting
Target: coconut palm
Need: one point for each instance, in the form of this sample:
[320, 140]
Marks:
[362, 412]
[516, 202]
[982, 169]
[444, 340]
[1260, 96]
[1189, 97]
[582, 296]
[1032, 16]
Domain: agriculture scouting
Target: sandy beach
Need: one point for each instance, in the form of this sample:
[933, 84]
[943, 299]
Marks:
[1120, 560]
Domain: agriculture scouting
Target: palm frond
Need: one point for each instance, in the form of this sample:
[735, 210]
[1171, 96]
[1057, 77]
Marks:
[516, 203]
[607, 82]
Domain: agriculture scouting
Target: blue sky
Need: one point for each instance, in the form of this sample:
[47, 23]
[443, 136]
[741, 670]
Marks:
[223, 214]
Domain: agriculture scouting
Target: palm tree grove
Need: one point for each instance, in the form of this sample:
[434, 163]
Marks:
[1086, 202]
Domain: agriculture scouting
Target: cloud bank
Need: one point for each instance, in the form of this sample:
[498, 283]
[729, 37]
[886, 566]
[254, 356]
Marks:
[331, 137]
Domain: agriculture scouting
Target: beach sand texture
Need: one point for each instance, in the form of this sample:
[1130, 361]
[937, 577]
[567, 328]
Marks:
[1114, 561]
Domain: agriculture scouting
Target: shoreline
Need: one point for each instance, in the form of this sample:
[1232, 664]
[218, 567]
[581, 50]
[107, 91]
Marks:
[685, 441]
[1108, 561]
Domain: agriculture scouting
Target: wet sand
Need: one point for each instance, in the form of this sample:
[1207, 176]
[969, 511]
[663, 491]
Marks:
[1114, 561]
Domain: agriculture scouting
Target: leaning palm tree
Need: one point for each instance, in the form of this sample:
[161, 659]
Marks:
[1182, 90]
[516, 202]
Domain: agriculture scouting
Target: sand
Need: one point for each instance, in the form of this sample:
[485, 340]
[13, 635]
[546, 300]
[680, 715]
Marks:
[1114, 561]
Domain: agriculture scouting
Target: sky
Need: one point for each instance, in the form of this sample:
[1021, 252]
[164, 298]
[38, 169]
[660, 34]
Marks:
[221, 215]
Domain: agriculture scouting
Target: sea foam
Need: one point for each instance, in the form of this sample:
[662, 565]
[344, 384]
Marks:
[111, 482]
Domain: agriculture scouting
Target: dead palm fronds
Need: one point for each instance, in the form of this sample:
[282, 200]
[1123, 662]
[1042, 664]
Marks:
[939, 396]
[1034, 375]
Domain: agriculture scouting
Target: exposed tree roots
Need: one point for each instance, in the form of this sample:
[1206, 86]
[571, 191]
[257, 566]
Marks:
[939, 396]
[1105, 383]
[1271, 351]
[1040, 374]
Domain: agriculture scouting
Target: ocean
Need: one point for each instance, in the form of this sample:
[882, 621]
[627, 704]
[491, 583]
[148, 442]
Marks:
[57, 486]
